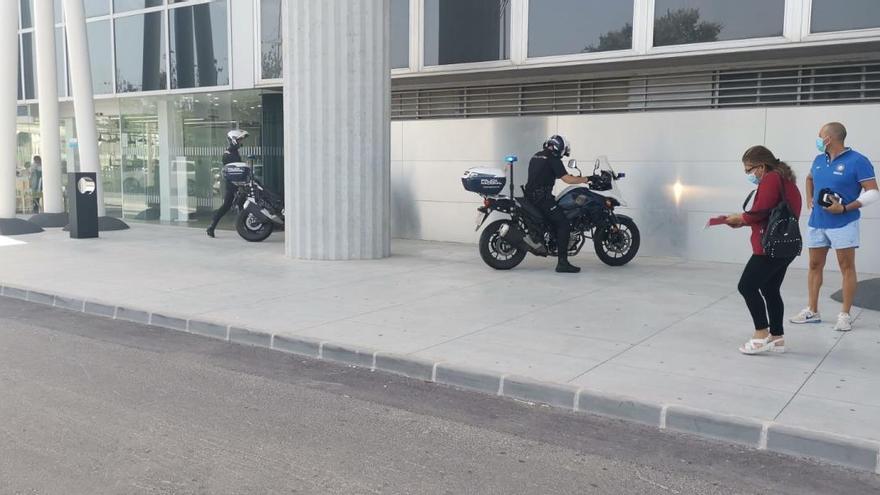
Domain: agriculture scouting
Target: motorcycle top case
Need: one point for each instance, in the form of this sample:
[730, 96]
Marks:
[237, 173]
[484, 181]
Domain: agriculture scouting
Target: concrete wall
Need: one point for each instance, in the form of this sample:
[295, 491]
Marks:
[701, 149]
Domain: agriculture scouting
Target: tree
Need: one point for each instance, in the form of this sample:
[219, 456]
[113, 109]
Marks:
[621, 39]
[683, 26]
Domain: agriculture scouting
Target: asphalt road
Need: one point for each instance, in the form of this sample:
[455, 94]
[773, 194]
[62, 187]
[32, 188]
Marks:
[93, 406]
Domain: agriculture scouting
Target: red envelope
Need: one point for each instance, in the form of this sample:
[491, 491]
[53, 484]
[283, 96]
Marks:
[720, 220]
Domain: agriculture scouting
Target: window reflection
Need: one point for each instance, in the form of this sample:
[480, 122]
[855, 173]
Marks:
[562, 27]
[399, 34]
[140, 53]
[29, 60]
[270, 38]
[843, 15]
[465, 31]
[126, 5]
[100, 56]
[199, 47]
[61, 62]
[681, 22]
[96, 8]
[27, 10]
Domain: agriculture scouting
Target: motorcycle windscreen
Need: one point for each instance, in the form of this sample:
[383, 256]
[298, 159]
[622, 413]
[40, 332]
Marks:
[602, 163]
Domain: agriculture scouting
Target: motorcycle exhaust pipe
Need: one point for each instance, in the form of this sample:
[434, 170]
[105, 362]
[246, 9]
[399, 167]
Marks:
[518, 238]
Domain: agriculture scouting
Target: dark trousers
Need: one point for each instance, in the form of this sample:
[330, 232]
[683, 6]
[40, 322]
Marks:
[759, 286]
[228, 200]
[560, 223]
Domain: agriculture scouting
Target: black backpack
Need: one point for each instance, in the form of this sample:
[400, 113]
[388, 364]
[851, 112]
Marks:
[782, 236]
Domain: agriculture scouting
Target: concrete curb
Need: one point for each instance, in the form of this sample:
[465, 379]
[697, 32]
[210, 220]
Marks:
[852, 453]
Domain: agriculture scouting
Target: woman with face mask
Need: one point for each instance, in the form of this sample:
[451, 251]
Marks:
[763, 276]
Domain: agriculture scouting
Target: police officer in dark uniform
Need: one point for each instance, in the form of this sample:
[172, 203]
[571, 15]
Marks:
[235, 138]
[544, 169]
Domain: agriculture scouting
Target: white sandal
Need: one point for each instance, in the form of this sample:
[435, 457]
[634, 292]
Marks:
[760, 346]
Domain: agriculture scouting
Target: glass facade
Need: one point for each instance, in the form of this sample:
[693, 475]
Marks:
[61, 62]
[140, 53]
[161, 155]
[26, 13]
[160, 152]
[270, 39]
[97, 8]
[199, 46]
[466, 31]
[129, 46]
[682, 22]
[101, 56]
[844, 15]
[29, 65]
[399, 34]
[564, 27]
[126, 5]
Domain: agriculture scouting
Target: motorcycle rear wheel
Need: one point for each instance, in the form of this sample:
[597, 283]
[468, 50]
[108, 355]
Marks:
[251, 229]
[618, 244]
[496, 251]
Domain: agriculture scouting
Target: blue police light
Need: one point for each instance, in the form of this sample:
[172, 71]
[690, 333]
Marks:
[511, 159]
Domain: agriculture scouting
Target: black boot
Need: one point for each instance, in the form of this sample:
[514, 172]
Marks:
[211, 231]
[565, 267]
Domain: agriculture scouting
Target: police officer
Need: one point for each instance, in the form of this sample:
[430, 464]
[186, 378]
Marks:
[235, 138]
[544, 169]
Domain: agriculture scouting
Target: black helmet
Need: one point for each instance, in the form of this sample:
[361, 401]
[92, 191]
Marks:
[558, 146]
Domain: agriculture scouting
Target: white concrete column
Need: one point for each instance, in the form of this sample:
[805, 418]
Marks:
[83, 95]
[8, 104]
[50, 134]
[169, 132]
[337, 93]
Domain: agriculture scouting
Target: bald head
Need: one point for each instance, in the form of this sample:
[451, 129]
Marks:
[834, 132]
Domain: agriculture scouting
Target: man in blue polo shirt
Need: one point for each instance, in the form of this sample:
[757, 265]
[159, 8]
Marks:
[845, 179]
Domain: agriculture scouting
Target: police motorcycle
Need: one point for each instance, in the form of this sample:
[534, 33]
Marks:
[260, 210]
[523, 228]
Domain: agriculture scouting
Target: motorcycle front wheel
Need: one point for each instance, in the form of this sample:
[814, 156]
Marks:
[618, 244]
[496, 251]
[251, 229]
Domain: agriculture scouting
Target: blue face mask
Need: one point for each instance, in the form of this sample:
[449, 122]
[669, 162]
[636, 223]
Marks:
[753, 178]
[820, 145]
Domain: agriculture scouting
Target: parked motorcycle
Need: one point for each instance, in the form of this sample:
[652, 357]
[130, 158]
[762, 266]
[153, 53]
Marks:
[523, 228]
[260, 210]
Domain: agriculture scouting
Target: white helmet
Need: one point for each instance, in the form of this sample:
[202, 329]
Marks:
[236, 136]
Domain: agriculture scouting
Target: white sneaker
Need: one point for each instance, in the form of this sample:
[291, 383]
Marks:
[806, 316]
[844, 322]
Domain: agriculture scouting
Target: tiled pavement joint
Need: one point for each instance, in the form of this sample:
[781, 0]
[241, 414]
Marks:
[849, 452]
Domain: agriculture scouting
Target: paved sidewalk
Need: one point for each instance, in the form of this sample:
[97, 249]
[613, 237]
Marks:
[663, 331]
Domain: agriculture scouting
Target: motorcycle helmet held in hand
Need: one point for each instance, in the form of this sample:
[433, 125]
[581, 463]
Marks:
[825, 197]
[558, 146]
[236, 137]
